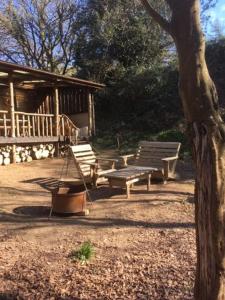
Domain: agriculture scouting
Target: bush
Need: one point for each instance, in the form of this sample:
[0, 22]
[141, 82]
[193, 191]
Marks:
[172, 135]
[175, 135]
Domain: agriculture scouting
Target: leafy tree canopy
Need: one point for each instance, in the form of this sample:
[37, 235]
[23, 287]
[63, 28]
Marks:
[117, 36]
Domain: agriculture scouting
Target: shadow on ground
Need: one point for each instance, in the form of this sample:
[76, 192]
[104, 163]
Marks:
[89, 222]
[46, 183]
[32, 211]
[103, 191]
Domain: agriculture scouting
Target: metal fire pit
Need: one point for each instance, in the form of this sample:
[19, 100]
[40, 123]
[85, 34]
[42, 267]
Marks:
[69, 200]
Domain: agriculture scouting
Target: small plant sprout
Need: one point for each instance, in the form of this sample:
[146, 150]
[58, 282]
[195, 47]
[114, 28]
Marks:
[83, 254]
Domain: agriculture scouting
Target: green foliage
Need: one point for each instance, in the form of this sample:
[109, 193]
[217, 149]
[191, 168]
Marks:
[175, 135]
[121, 46]
[130, 139]
[85, 252]
[171, 135]
[215, 58]
[147, 102]
[116, 36]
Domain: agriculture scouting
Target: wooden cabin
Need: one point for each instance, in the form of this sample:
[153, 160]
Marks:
[39, 107]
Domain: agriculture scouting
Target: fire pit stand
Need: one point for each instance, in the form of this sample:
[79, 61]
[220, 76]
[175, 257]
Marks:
[71, 194]
[69, 200]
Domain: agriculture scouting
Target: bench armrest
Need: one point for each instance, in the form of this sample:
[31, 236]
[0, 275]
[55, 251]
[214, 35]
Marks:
[166, 165]
[88, 163]
[169, 158]
[107, 159]
[125, 158]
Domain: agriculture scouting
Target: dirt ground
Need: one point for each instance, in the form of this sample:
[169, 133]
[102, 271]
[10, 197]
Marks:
[144, 247]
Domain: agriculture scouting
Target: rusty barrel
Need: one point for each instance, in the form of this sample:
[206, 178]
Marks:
[69, 200]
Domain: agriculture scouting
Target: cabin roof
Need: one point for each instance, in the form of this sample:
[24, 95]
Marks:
[30, 76]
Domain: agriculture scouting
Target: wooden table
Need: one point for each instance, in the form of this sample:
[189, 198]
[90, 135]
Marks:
[128, 176]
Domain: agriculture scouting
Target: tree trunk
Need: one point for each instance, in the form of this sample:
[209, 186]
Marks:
[207, 135]
[206, 130]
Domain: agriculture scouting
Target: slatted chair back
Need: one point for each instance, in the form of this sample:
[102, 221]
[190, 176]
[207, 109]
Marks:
[150, 154]
[83, 157]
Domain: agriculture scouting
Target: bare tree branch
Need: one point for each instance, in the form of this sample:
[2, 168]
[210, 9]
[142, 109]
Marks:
[39, 33]
[156, 16]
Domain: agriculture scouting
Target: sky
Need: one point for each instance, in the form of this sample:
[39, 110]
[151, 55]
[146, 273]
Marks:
[217, 16]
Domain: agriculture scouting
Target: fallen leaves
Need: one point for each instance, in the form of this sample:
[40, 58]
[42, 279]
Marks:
[152, 268]
[145, 249]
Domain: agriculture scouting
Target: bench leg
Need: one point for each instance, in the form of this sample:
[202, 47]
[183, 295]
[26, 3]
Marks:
[128, 190]
[95, 181]
[149, 182]
[110, 183]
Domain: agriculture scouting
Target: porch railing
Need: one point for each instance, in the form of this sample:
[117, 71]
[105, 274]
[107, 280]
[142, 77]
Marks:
[67, 127]
[5, 123]
[33, 124]
[36, 125]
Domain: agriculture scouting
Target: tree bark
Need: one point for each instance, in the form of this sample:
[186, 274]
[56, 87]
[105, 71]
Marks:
[207, 135]
[206, 129]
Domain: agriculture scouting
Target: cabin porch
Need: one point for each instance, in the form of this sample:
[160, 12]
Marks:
[41, 107]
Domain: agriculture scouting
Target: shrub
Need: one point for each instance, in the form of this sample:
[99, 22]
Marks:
[175, 135]
[83, 254]
[172, 135]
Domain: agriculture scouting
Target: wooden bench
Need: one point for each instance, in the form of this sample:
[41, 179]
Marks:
[160, 155]
[92, 168]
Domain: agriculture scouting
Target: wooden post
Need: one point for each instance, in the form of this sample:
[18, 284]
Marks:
[93, 115]
[90, 123]
[56, 112]
[12, 116]
[12, 107]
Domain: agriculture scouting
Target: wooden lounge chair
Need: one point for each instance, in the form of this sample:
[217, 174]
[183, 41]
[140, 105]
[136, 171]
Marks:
[160, 155]
[92, 168]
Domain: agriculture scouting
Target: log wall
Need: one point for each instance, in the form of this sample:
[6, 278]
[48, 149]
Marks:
[25, 100]
[71, 101]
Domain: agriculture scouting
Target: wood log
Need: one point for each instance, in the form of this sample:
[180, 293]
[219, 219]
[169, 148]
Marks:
[37, 154]
[1, 159]
[18, 149]
[23, 154]
[6, 154]
[49, 147]
[29, 158]
[45, 153]
[6, 161]
[18, 159]
[51, 153]
[34, 148]
[26, 152]
[23, 158]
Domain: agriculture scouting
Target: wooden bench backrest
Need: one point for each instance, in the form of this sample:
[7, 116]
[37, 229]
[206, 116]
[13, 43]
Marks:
[83, 154]
[150, 154]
